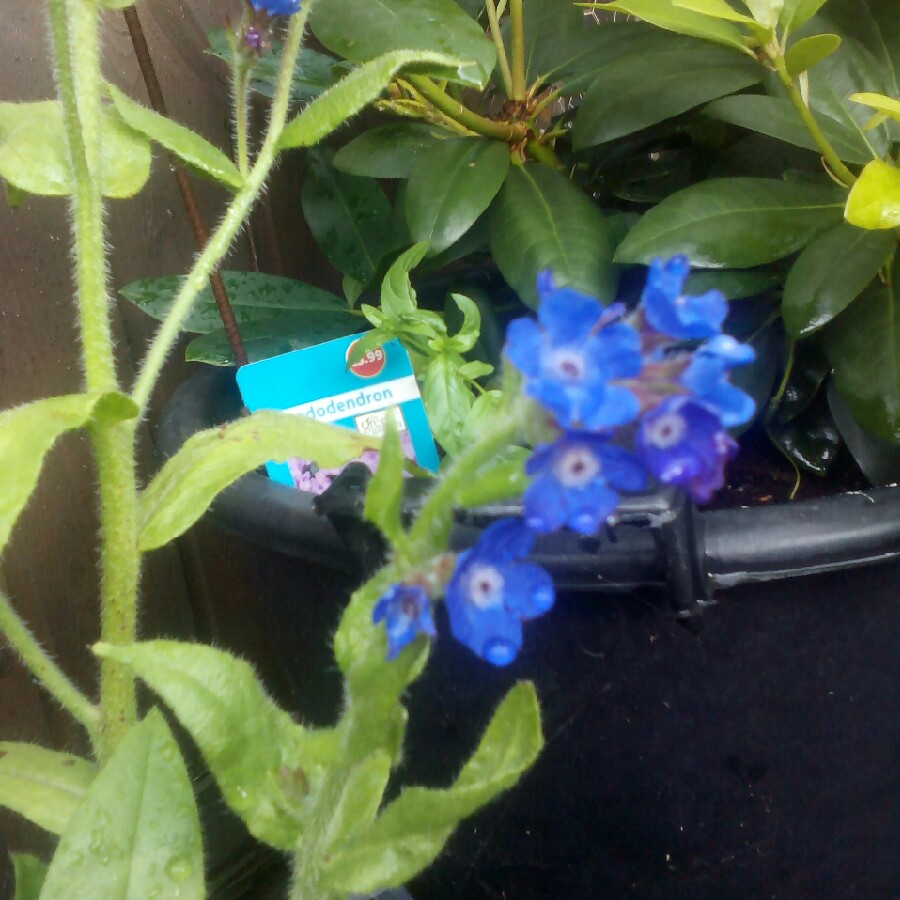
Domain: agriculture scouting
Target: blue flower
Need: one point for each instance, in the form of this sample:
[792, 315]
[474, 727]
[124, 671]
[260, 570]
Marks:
[684, 443]
[490, 592]
[669, 311]
[707, 379]
[276, 7]
[570, 356]
[406, 612]
[573, 482]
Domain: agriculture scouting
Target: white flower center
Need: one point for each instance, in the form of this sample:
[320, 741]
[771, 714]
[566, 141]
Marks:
[666, 430]
[485, 586]
[576, 467]
[568, 364]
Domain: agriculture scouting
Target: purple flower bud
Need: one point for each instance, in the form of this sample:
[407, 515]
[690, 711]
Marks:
[406, 611]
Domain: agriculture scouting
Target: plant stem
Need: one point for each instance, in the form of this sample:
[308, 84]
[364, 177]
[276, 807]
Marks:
[240, 82]
[517, 42]
[796, 99]
[455, 110]
[235, 215]
[46, 671]
[497, 38]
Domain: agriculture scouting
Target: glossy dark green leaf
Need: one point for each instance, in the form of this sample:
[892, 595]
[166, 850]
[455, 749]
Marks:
[385, 490]
[360, 32]
[137, 833]
[413, 828]
[834, 269]
[758, 378]
[735, 284]
[450, 186]
[808, 51]
[777, 118]
[650, 86]
[878, 459]
[541, 220]
[810, 440]
[734, 222]
[809, 369]
[349, 217]
[245, 739]
[863, 344]
[43, 786]
[388, 151]
[253, 296]
[29, 873]
[187, 145]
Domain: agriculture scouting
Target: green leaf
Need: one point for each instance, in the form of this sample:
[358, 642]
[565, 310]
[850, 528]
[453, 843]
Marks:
[211, 460]
[758, 378]
[187, 145]
[253, 296]
[470, 328]
[28, 432]
[450, 186]
[359, 799]
[137, 833]
[43, 786]
[388, 151]
[14, 197]
[352, 94]
[829, 273]
[766, 12]
[796, 12]
[778, 119]
[652, 86]
[811, 440]
[249, 744]
[447, 400]
[501, 479]
[30, 872]
[34, 154]
[810, 50]
[733, 222]
[349, 217]
[542, 221]
[274, 335]
[885, 105]
[385, 490]
[665, 14]
[874, 201]
[411, 831]
[398, 297]
[863, 345]
[428, 28]
[734, 285]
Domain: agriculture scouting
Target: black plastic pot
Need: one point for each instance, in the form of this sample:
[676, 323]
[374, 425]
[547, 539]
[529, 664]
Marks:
[655, 539]
[756, 758]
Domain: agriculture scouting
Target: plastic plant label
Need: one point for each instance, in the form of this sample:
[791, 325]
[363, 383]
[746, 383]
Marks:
[317, 382]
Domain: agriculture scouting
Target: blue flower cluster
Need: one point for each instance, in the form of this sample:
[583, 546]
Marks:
[655, 378]
[276, 7]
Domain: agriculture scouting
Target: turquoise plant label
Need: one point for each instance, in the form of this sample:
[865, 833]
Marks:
[317, 382]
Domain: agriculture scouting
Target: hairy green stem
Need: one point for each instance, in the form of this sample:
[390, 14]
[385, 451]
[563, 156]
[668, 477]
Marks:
[237, 212]
[46, 671]
[497, 38]
[240, 84]
[455, 110]
[517, 43]
[796, 98]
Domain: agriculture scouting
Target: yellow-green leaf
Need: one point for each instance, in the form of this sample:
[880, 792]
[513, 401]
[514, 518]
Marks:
[874, 201]
[810, 50]
[886, 106]
[29, 872]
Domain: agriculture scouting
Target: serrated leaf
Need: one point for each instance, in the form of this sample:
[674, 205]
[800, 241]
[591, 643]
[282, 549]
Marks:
[450, 186]
[778, 119]
[137, 831]
[388, 151]
[541, 220]
[29, 873]
[413, 828]
[385, 490]
[733, 222]
[252, 295]
[350, 217]
[863, 345]
[28, 432]
[447, 400]
[333, 107]
[874, 200]
[34, 154]
[43, 786]
[810, 50]
[246, 740]
[274, 335]
[429, 28]
[212, 459]
[187, 145]
[829, 273]
[655, 85]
